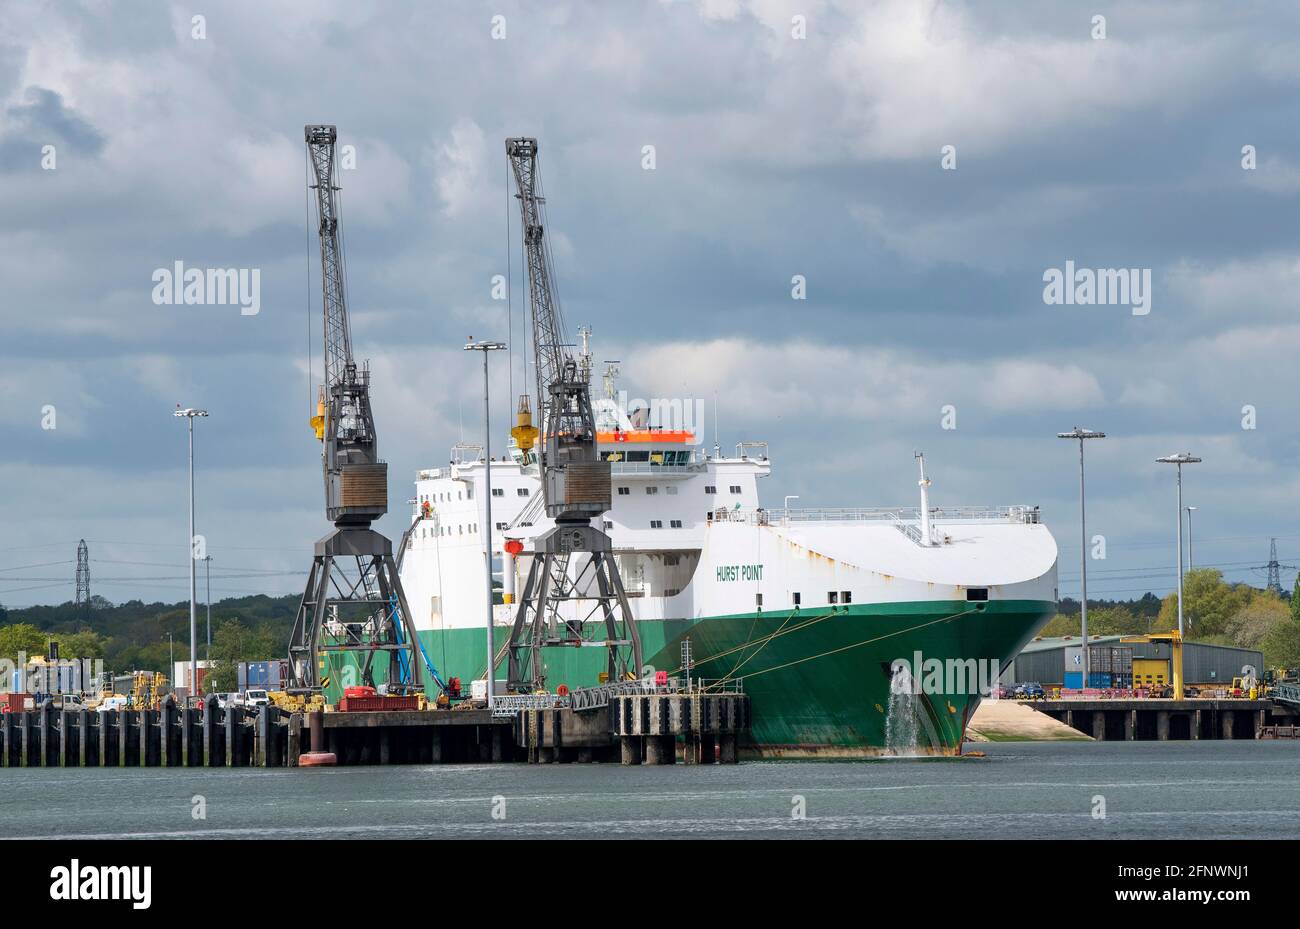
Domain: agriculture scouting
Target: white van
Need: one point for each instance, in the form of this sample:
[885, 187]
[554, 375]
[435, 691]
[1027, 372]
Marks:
[112, 703]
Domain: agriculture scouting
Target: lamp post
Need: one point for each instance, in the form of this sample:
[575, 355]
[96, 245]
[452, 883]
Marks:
[1179, 461]
[1189, 510]
[486, 347]
[189, 414]
[1081, 435]
[207, 564]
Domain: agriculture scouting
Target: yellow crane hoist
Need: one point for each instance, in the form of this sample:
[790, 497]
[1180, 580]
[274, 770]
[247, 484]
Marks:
[1174, 640]
[524, 432]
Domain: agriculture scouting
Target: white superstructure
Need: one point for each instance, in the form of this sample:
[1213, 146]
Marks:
[693, 540]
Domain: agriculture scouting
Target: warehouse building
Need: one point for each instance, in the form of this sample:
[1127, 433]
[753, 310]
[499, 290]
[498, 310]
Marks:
[1058, 662]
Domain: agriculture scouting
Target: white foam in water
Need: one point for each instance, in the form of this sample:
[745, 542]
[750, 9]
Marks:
[901, 720]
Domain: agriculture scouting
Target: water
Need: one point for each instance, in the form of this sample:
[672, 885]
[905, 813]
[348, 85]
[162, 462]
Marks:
[900, 719]
[1021, 790]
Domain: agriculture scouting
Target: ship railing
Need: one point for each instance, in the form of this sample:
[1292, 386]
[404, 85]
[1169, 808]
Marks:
[908, 529]
[648, 467]
[722, 685]
[1025, 515]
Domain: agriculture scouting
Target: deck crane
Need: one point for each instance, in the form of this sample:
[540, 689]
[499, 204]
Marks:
[573, 580]
[354, 600]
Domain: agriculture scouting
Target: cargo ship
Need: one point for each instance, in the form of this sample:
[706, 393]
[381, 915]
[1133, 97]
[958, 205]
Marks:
[813, 612]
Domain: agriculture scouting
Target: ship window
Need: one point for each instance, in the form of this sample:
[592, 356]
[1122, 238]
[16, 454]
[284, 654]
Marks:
[708, 489]
[608, 525]
[650, 490]
[795, 597]
[846, 596]
[735, 489]
[496, 492]
[654, 524]
[523, 492]
[832, 596]
[972, 593]
[623, 492]
[675, 524]
[631, 456]
[656, 458]
[469, 493]
[501, 527]
[758, 601]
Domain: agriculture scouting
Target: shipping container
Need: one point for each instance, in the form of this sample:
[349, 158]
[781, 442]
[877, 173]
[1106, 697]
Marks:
[271, 674]
[1073, 679]
[378, 704]
[181, 674]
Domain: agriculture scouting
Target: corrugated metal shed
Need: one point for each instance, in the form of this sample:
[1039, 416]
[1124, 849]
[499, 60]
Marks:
[1044, 660]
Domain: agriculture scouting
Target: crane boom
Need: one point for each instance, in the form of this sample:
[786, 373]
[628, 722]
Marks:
[356, 481]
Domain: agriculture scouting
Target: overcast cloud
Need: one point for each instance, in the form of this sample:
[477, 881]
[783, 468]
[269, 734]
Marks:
[775, 157]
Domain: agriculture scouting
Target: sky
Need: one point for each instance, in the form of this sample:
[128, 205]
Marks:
[919, 166]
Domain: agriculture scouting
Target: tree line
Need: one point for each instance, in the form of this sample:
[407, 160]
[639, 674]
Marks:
[1214, 611]
[134, 636]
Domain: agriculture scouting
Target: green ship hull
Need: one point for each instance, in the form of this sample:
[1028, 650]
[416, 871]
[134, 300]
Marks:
[818, 679]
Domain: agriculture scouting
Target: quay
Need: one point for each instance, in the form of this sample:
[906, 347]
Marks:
[1148, 719]
[696, 728]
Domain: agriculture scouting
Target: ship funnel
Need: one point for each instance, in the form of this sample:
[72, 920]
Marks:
[926, 538]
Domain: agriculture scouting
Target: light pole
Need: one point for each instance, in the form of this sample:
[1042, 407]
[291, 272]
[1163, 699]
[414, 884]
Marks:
[1179, 461]
[1189, 510]
[486, 347]
[189, 414]
[1082, 434]
[207, 564]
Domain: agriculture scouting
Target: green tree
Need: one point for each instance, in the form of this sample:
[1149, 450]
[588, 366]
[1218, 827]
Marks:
[1281, 645]
[22, 637]
[1252, 623]
[233, 642]
[1208, 604]
[1295, 601]
[84, 643]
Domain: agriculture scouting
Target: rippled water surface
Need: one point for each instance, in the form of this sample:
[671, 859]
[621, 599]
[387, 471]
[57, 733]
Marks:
[1031, 790]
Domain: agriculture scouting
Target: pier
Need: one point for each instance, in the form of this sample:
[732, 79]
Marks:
[1192, 719]
[642, 728]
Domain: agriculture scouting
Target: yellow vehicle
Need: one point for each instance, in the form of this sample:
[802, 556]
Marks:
[1244, 687]
[296, 703]
[148, 689]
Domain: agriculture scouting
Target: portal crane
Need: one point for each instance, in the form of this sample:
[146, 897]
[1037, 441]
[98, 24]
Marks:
[354, 600]
[564, 590]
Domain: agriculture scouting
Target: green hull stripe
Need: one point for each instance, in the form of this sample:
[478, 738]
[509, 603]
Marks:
[818, 679]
